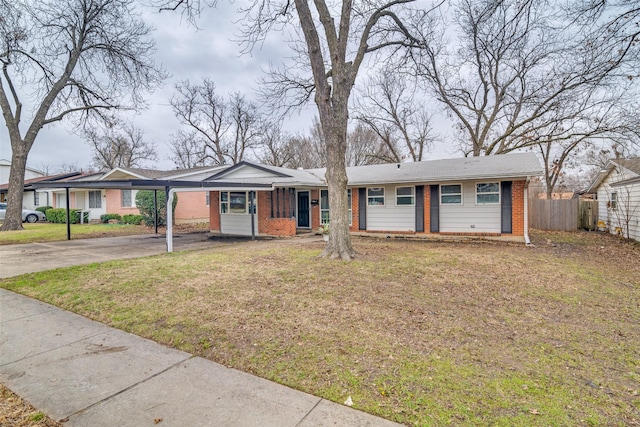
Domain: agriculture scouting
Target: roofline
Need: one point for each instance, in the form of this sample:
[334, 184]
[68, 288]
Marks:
[145, 184]
[443, 179]
[245, 163]
[202, 170]
[634, 180]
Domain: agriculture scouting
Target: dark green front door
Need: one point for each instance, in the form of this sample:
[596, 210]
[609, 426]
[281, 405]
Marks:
[303, 209]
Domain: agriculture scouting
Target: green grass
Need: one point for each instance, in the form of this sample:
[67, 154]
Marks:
[47, 232]
[423, 333]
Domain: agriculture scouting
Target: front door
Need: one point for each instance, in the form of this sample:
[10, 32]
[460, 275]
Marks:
[303, 209]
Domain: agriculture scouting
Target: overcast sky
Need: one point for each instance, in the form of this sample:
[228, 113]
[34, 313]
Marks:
[186, 53]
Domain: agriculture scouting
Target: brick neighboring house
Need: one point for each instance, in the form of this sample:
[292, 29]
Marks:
[192, 207]
[475, 196]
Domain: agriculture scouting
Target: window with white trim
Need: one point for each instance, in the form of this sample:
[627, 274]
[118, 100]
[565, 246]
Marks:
[207, 198]
[127, 198]
[487, 193]
[375, 196]
[613, 204]
[405, 196]
[451, 194]
[36, 198]
[95, 199]
[234, 202]
[324, 206]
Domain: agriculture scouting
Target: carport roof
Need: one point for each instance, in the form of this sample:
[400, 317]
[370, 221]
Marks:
[143, 184]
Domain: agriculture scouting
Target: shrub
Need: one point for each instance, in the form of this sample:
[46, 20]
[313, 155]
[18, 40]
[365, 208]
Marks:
[44, 209]
[104, 218]
[144, 202]
[132, 219]
[59, 216]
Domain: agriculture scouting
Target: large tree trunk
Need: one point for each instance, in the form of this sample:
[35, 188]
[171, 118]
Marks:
[333, 117]
[13, 216]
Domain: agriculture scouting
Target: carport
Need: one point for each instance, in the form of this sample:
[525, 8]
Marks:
[170, 188]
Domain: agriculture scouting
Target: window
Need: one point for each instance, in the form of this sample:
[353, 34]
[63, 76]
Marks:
[207, 198]
[95, 199]
[487, 193]
[324, 206]
[36, 198]
[127, 198]
[451, 194]
[405, 196]
[375, 196]
[233, 202]
[614, 201]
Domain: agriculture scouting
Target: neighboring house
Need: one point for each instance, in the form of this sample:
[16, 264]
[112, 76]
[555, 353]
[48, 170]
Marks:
[192, 206]
[617, 189]
[5, 169]
[32, 197]
[473, 196]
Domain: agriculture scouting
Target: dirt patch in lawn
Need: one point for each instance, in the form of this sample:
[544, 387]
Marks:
[424, 333]
[16, 412]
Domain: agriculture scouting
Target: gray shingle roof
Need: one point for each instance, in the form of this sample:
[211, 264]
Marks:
[466, 168]
[519, 165]
[632, 164]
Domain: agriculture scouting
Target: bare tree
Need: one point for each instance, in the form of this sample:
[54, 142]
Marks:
[389, 107]
[202, 110]
[247, 125]
[366, 147]
[119, 145]
[217, 131]
[523, 73]
[67, 57]
[187, 151]
[337, 37]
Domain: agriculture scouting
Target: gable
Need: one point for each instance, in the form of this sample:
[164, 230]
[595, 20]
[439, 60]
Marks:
[244, 171]
[120, 174]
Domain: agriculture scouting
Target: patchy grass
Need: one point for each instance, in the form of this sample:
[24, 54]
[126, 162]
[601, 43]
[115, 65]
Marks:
[16, 412]
[424, 333]
[48, 232]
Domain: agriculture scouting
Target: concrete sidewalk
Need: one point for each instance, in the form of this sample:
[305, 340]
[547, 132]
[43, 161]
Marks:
[85, 373]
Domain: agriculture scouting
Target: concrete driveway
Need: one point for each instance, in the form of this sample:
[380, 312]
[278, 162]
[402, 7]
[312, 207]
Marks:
[34, 257]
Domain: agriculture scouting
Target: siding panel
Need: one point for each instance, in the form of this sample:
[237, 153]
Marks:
[469, 217]
[391, 217]
[237, 224]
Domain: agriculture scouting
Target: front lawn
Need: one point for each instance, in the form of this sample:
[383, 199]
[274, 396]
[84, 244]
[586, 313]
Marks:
[49, 232]
[424, 333]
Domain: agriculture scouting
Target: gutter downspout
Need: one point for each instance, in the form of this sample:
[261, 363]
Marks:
[169, 236]
[526, 212]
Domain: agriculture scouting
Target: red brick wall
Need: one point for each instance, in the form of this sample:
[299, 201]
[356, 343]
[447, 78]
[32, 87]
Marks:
[427, 209]
[355, 206]
[517, 208]
[214, 211]
[315, 210]
[273, 226]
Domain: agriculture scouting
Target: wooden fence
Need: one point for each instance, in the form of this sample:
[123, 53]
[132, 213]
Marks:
[567, 215]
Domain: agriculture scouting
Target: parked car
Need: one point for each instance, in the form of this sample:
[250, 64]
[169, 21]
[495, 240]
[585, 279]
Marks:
[27, 214]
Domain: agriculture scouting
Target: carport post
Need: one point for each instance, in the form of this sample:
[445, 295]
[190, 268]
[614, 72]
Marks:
[68, 221]
[155, 210]
[252, 201]
[169, 235]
